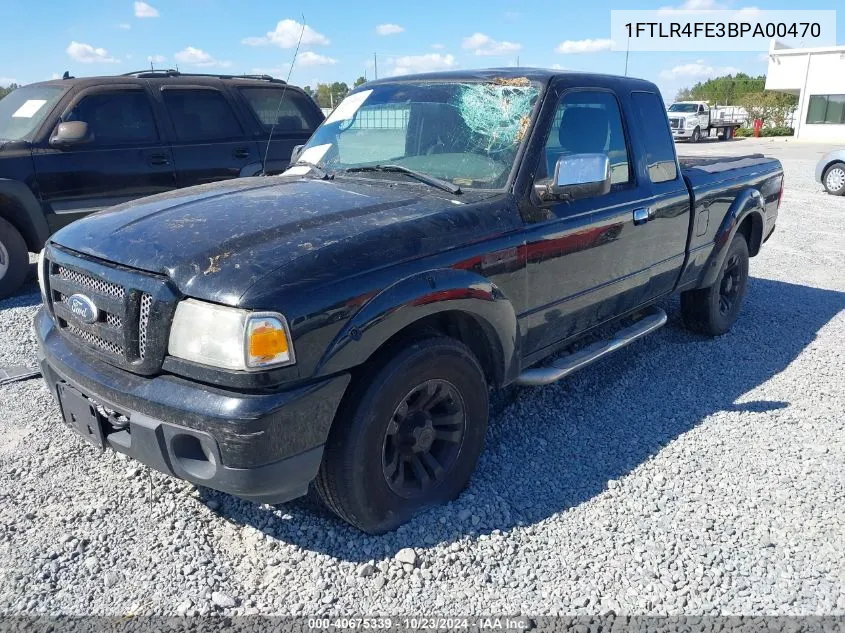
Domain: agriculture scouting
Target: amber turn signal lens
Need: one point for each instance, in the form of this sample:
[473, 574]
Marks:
[267, 342]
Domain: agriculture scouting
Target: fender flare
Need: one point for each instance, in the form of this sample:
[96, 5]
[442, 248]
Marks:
[422, 295]
[25, 213]
[748, 203]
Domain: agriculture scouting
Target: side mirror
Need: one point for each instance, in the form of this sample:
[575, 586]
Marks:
[294, 155]
[580, 176]
[70, 133]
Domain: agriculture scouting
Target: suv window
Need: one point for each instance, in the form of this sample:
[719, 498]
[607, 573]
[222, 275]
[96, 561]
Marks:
[588, 122]
[660, 148]
[113, 118]
[201, 115]
[293, 114]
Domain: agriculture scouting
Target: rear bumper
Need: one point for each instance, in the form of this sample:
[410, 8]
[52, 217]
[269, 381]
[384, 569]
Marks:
[262, 447]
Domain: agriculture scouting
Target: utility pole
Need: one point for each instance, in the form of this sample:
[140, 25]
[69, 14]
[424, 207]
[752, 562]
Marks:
[375, 65]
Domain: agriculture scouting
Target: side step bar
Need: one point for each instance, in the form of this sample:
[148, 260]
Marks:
[562, 367]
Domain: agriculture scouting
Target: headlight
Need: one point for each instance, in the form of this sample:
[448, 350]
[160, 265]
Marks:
[229, 338]
[42, 282]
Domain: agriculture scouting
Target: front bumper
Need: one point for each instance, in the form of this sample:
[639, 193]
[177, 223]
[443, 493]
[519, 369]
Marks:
[682, 132]
[263, 447]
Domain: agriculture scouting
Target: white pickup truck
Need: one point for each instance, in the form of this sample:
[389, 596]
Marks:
[693, 120]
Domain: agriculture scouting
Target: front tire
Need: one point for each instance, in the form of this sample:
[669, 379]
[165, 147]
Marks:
[834, 179]
[14, 259]
[408, 437]
[714, 310]
[696, 135]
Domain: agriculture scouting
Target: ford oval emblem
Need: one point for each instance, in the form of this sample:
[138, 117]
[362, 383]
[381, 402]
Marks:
[83, 308]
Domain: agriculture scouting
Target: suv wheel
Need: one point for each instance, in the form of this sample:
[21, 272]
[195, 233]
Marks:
[834, 179]
[409, 437]
[714, 310]
[14, 259]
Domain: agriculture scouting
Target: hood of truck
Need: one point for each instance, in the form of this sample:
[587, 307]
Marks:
[216, 241]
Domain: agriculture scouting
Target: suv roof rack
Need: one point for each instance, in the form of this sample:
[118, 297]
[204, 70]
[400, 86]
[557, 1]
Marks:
[151, 74]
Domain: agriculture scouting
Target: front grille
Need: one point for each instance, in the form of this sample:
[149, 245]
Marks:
[675, 123]
[133, 309]
[92, 339]
[146, 305]
[91, 283]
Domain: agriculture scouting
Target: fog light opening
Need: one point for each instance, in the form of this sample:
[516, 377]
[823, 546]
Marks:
[193, 456]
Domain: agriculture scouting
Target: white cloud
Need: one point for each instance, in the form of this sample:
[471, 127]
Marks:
[692, 6]
[512, 16]
[198, 57]
[87, 54]
[144, 10]
[157, 59]
[409, 64]
[558, 67]
[584, 46]
[286, 35]
[485, 45]
[124, 26]
[388, 29]
[7, 81]
[438, 47]
[698, 70]
[308, 58]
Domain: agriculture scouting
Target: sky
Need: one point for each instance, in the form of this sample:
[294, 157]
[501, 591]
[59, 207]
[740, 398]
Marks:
[340, 39]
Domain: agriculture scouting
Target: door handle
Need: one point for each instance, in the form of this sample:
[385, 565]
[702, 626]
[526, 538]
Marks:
[158, 159]
[241, 152]
[641, 216]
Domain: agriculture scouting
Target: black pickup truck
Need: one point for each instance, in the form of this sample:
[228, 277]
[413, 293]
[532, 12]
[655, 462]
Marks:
[439, 236]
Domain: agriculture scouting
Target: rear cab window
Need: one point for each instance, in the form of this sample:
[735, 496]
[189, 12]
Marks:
[287, 110]
[657, 137]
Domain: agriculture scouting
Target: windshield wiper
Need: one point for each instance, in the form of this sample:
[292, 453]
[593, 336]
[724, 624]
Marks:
[443, 185]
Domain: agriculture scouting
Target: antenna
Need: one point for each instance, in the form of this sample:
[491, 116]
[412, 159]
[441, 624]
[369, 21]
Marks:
[281, 99]
[627, 50]
[375, 65]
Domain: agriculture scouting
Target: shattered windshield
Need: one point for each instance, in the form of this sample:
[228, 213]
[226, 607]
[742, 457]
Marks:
[464, 133]
[23, 110]
[683, 107]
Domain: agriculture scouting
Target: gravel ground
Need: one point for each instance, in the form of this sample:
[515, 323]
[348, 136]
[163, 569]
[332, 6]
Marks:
[683, 475]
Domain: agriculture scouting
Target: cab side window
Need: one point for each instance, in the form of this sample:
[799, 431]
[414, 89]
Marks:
[587, 122]
[116, 118]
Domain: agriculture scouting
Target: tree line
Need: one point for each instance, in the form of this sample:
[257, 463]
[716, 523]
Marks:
[328, 95]
[7, 89]
[744, 91]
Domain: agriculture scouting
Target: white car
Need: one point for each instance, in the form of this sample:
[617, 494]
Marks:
[830, 171]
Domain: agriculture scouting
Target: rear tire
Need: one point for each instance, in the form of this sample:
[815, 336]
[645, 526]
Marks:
[714, 310]
[834, 179]
[14, 259]
[408, 436]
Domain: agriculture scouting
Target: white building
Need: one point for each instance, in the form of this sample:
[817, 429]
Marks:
[817, 77]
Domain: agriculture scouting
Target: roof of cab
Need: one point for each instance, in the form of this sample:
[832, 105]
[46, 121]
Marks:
[541, 75]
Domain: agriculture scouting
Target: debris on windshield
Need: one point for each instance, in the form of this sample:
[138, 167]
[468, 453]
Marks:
[498, 112]
[521, 82]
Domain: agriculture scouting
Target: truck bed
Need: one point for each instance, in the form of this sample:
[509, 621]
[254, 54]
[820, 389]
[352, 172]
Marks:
[705, 172]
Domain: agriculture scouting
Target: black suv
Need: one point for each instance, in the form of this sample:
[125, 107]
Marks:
[73, 146]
